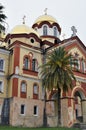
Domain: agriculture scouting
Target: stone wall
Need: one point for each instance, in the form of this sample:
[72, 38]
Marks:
[27, 119]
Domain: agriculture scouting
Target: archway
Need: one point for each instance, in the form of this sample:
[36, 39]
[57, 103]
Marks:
[78, 107]
[79, 96]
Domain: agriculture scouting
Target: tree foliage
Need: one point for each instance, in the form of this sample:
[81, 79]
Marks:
[57, 72]
[2, 17]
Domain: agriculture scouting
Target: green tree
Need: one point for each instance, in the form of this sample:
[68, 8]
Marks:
[2, 17]
[57, 73]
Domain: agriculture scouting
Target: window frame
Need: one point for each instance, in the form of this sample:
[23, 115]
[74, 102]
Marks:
[2, 86]
[3, 66]
[35, 110]
[23, 90]
[34, 64]
[83, 66]
[26, 63]
[35, 89]
[22, 109]
[55, 31]
[45, 30]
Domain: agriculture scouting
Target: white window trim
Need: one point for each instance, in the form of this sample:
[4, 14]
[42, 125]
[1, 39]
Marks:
[83, 69]
[24, 110]
[36, 110]
[47, 29]
[55, 32]
[35, 89]
[2, 89]
[23, 88]
[78, 64]
[3, 64]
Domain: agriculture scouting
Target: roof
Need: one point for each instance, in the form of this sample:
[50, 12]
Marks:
[46, 18]
[22, 29]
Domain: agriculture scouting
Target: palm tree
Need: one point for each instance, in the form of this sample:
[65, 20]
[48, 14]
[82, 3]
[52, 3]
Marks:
[2, 17]
[57, 73]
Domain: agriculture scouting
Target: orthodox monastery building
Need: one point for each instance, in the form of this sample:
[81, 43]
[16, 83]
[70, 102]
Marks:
[22, 50]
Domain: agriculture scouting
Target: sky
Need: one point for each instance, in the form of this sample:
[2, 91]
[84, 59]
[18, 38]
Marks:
[68, 13]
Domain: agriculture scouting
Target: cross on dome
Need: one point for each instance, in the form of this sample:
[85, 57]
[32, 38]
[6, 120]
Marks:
[45, 11]
[24, 19]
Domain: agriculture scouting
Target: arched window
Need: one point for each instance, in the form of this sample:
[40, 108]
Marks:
[34, 65]
[23, 87]
[45, 30]
[77, 64]
[35, 91]
[55, 31]
[83, 66]
[26, 62]
[1, 64]
[71, 61]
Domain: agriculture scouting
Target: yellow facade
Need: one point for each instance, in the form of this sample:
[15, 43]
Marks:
[22, 51]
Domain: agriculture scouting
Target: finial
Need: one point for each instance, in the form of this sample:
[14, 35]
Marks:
[45, 11]
[24, 19]
[74, 30]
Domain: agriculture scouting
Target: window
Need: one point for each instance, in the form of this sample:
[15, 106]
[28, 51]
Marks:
[71, 62]
[26, 63]
[23, 109]
[83, 65]
[55, 31]
[76, 62]
[9, 41]
[1, 64]
[1, 87]
[35, 110]
[32, 40]
[34, 65]
[35, 89]
[23, 87]
[45, 30]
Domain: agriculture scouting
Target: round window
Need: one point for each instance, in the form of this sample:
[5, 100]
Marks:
[32, 40]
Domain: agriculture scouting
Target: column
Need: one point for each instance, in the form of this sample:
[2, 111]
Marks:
[84, 110]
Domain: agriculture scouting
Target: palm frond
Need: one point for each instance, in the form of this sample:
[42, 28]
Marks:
[57, 72]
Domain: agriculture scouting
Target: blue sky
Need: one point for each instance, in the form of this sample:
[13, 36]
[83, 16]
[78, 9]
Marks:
[67, 12]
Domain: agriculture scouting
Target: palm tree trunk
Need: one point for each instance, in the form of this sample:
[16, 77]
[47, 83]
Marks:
[59, 106]
[44, 113]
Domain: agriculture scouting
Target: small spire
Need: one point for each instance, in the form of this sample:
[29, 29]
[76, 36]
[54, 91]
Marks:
[45, 11]
[74, 30]
[24, 19]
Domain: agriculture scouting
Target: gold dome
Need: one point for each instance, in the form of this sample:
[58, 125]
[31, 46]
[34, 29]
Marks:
[21, 29]
[46, 18]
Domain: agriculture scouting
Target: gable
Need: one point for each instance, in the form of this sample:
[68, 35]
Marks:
[76, 50]
[76, 47]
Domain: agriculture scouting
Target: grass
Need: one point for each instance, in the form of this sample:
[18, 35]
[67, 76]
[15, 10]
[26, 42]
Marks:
[22, 128]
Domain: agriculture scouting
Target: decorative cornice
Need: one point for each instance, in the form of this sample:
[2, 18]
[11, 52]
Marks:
[4, 50]
[11, 36]
[49, 24]
[24, 44]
